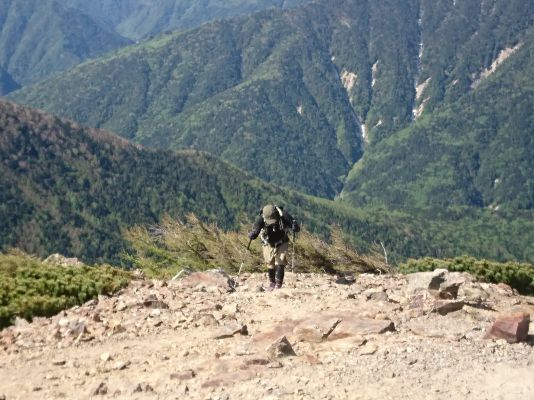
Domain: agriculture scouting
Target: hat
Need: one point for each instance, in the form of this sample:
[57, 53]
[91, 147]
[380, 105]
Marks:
[270, 214]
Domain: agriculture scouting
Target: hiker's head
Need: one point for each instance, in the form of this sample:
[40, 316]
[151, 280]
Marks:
[270, 214]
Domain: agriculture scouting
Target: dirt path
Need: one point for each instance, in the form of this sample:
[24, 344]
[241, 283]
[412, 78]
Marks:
[136, 351]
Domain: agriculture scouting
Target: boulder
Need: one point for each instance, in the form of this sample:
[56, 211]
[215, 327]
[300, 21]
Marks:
[444, 307]
[214, 279]
[423, 302]
[360, 326]
[152, 301]
[440, 282]
[441, 327]
[511, 327]
[427, 280]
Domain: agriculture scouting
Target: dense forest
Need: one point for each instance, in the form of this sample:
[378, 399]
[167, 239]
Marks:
[39, 38]
[73, 190]
[7, 84]
[42, 37]
[137, 19]
[476, 151]
[296, 96]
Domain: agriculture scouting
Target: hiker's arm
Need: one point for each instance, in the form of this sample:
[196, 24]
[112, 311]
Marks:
[256, 228]
[291, 222]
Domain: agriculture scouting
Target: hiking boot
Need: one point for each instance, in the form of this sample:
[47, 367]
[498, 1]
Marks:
[272, 286]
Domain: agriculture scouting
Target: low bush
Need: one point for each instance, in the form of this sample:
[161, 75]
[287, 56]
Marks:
[30, 287]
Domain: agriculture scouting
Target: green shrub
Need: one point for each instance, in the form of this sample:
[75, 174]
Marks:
[519, 276]
[31, 288]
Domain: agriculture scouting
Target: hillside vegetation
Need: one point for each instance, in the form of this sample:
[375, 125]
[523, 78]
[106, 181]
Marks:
[137, 19]
[39, 38]
[293, 95]
[7, 84]
[476, 151]
[31, 288]
[42, 37]
[73, 190]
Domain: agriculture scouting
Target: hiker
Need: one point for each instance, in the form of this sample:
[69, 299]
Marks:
[272, 225]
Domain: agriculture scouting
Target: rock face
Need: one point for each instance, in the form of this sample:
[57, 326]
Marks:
[198, 338]
[511, 327]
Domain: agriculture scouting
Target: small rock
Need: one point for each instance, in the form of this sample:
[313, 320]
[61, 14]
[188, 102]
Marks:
[368, 349]
[77, 328]
[100, 389]
[376, 294]
[121, 306]
[184, 375]
[230, 331]
[316, 330]
[280, 348]
[230, 309]
[59, 362]
[155, 313]
[116, 328]
[63, 322]
[207, 320]
[143, 387]
[105, 357]
[120, 365]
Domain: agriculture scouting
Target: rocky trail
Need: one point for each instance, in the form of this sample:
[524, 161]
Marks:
[420, 336]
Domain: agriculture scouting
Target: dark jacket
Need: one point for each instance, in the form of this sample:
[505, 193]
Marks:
[274, 237]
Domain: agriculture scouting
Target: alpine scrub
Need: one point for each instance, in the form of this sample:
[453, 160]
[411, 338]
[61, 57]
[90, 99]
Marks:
[163, 251]
[31, 288]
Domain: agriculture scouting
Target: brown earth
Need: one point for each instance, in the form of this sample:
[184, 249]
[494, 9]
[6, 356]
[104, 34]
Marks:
[381, 337]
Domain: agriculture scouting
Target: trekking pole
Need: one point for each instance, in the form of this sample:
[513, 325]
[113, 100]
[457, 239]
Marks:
[293, 255]
[242, 264]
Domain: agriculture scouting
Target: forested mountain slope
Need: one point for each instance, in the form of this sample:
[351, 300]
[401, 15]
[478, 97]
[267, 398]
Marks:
[72, 190]
[138, 19]
[292, 95]
[7, 84]
[476, 151]
[42, 37]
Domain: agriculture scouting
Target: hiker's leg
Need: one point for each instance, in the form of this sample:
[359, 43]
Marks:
[279, 276]
[280, 262]
[272, 277]
[269, 258]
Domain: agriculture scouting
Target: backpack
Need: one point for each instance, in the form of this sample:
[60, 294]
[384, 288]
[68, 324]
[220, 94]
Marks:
[274, 233]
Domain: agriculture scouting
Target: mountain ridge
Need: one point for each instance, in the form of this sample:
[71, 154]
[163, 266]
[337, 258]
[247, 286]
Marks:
[316, 81]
